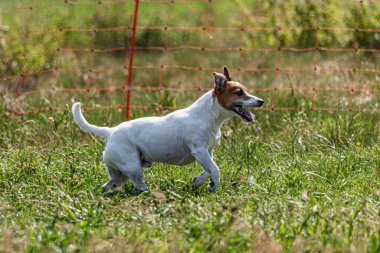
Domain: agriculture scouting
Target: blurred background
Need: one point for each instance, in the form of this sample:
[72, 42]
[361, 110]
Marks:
[296, 55]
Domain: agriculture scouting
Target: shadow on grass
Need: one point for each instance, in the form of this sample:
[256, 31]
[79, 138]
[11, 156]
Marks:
[127, 191]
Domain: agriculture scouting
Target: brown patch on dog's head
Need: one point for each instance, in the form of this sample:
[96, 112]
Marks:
[233, 95]
[227, 91]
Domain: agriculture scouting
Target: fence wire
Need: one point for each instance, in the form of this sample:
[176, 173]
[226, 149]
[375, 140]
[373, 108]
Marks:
[60, 51]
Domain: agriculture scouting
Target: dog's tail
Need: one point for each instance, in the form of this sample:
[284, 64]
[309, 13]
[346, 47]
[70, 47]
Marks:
[85, 126]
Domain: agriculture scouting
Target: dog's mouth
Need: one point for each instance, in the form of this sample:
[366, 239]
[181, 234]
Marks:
[244, 114]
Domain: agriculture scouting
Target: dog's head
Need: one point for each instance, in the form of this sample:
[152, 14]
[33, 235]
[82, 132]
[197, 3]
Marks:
[233, 96]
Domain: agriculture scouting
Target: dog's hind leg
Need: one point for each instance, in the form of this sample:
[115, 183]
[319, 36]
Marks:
[117, 179]
[132, 169]
[135, 173]
[125, 158]
[138, 181]
[201, 179]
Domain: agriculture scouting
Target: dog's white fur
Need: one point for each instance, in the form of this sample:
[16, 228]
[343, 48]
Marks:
[179, 138]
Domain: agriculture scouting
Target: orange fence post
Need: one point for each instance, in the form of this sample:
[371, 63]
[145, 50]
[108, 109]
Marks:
[130, 67]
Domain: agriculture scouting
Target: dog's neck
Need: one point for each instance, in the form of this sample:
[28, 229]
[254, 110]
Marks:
[209, 108]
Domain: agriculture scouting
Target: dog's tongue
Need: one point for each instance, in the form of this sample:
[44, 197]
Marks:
[248, 115]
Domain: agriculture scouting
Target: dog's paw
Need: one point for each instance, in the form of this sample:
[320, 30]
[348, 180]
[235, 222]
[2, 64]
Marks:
[196, 182]
[111, 186]
[199, 180]
[142, 187]
[106, 188]
[212, 187]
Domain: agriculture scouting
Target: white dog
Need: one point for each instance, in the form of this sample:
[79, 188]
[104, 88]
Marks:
[180, 137]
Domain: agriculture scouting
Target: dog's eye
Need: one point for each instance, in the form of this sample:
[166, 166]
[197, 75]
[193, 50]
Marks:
[240, 93]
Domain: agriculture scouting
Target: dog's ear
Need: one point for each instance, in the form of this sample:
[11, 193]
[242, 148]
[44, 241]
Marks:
[220, 80]
[226, 73]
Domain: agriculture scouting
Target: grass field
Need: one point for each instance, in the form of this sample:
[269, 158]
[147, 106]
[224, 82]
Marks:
[291, 182]
[294, 181]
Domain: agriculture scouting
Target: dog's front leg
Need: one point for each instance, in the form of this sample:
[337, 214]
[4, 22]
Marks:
[205, 159]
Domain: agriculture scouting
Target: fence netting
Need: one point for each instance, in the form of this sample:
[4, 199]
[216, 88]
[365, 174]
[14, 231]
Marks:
[296, 55]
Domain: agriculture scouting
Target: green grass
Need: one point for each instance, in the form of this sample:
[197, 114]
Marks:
[302, 181]
[294, 181]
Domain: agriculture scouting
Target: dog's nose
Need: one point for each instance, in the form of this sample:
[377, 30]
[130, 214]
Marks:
[260, 102]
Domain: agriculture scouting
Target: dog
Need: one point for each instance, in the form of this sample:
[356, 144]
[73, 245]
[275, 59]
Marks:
[179, 138]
